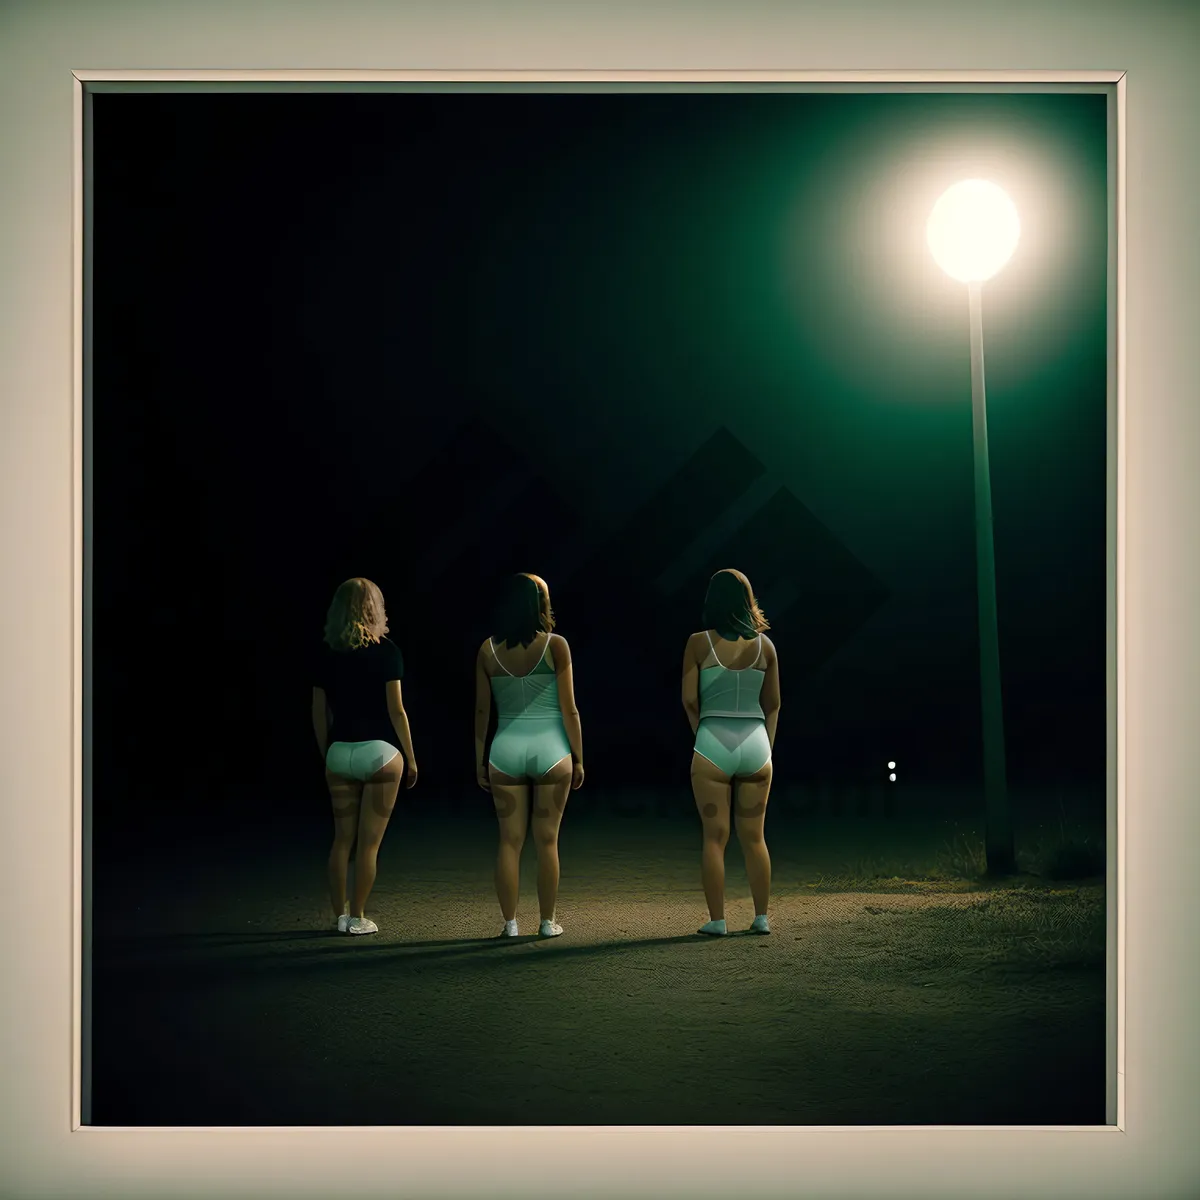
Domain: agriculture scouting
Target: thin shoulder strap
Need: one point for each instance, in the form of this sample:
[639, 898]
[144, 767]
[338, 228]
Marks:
[497, 658]
[758, 656]
[546, 651]
[713, 648]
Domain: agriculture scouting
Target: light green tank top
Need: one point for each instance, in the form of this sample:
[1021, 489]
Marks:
[725, 692]
[532, 695]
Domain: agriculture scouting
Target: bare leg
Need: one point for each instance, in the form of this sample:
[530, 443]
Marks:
[346, 795]
[750, 814]
[511, 798]
[711, 790]
[550, 794]
[379, 798]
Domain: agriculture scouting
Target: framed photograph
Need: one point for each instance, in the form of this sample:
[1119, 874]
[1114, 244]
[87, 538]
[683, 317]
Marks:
[703, 359]
[600, 619]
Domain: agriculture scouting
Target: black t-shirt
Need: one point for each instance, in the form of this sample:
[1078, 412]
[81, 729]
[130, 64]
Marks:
[354, 684]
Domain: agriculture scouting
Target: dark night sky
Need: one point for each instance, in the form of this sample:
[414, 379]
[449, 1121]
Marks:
[435, 338]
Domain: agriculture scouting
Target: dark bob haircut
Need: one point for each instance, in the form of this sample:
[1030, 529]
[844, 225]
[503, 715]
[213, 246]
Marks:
[523, 610]
[730, 606]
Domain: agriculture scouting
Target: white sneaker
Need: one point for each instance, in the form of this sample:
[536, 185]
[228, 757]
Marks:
[342, 922]
[361, 925]
[509, 930]
[549, 929]
[760, 924]
[714, 928]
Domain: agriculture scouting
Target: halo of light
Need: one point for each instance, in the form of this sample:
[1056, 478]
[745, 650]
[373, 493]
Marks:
[891, 766]
[972, 230]
[892, 777]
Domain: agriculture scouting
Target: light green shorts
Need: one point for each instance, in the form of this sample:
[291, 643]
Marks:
[359, 760]
[734, 745]
[527, 747]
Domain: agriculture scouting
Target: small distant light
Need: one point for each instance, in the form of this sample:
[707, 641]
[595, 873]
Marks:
[892, 776]
[891, 766]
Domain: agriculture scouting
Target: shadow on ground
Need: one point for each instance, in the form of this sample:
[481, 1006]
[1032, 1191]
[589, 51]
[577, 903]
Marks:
[232, 1001]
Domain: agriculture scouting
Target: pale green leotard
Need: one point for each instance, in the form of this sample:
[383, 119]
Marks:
[530, 735]
[732, 733]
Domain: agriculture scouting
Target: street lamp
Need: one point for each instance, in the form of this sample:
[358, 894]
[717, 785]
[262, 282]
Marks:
[972, 232]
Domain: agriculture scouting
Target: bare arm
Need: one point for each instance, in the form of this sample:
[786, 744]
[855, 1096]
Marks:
[769, 697]
[483, 710]
[320, 720]
[691, 683]
[566, 696]
[395, 703]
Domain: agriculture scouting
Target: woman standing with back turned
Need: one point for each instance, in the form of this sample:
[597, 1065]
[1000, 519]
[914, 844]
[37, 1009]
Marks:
[538, 747]
[363, 735]
[731, 696]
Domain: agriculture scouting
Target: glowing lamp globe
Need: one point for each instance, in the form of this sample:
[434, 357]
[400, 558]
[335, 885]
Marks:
[973, 230]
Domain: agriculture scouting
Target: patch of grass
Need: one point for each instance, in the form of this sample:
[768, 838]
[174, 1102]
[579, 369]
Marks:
[866, 870]
[960, 859]
[1034, 929]
[858, 879]
[964, 857]
[948, 856]
[1075, 853]
[1074, 860]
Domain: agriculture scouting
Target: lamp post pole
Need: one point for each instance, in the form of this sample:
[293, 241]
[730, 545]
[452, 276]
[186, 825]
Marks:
[999, 834]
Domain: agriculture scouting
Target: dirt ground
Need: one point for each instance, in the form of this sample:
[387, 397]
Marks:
[222, 996]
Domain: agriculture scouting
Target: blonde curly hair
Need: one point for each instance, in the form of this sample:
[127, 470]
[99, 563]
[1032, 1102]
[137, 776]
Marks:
[356, 616]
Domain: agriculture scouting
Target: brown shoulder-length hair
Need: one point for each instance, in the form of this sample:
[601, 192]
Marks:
[356, 616]
[731, 608]
[523, 610]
